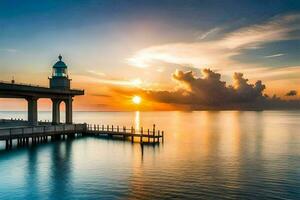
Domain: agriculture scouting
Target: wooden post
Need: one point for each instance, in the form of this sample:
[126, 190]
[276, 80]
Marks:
[153, 133]
[118, 129]
[158, 136]
[162, 136]
[141, 137]
[112, 128]
[124, 132]
[107, 128]
[102, 127]
[148, 135]
[132, 137]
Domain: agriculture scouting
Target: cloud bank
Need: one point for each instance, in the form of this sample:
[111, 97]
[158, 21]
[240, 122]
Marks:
[210, 92]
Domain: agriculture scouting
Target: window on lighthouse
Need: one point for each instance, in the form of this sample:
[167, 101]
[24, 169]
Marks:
[60, 72]
[60, 68]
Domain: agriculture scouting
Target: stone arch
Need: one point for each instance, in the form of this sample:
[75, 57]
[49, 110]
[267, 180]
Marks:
[56, 110]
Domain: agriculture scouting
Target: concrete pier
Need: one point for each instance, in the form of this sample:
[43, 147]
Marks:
[69, 110]
[56, 111]
[59, 90]
[39, 134]
[32, 110]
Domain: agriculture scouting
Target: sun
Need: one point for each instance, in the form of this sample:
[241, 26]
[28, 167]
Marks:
[136, 100]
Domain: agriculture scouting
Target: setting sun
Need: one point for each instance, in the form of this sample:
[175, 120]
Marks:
[136, 99]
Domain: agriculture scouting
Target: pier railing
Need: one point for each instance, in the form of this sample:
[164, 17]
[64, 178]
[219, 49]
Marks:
[123, 129]
[151, 135]
[17, 132]
[28, 84]
[41, 133]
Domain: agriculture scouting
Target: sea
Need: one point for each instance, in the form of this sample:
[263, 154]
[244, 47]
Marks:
[205, 155]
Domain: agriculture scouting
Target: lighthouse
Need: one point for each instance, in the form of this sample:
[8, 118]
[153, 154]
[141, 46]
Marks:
[60, 78]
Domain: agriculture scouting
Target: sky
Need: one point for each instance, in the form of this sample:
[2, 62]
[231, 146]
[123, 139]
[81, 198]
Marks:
[187, 54]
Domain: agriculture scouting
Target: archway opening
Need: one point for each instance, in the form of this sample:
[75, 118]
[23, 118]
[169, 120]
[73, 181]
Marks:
[62, 108]
[45, 110]
[13, 108]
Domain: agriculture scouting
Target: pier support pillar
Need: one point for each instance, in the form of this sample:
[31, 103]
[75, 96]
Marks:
[32, 111]
[55, 111]
[69, 110]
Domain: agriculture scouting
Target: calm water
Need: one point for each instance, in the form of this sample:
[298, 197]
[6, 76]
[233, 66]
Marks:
[206, 155]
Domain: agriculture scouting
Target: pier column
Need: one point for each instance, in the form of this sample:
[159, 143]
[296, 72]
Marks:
[55, 111]
[69, 110]
[32, 111]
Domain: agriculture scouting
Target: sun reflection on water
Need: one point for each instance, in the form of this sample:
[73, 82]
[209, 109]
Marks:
[137, 120]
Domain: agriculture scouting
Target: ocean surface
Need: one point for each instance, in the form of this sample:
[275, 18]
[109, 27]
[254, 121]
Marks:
[205, 155]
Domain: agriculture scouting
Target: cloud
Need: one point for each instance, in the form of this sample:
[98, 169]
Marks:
[269, 73]
[102, 95]
[206, 34]
[210, 92]
[278, 28]
[96, 73]
[219, 52]
[108, 80]
[9, 50]
[275, 55]
[291, 93]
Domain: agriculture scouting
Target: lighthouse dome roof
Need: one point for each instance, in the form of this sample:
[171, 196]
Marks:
[60, 64]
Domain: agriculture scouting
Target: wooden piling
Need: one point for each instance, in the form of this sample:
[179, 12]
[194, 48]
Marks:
[141, 135]
[132, 137]
[153, 133]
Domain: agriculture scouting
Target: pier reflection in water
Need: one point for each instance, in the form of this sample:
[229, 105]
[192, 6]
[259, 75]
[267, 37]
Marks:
[206, 155]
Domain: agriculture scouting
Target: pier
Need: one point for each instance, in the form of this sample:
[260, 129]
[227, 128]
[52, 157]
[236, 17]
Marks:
[34, 134]
[146, 136]
[59, 90]
[32, 131]
[23, 136]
